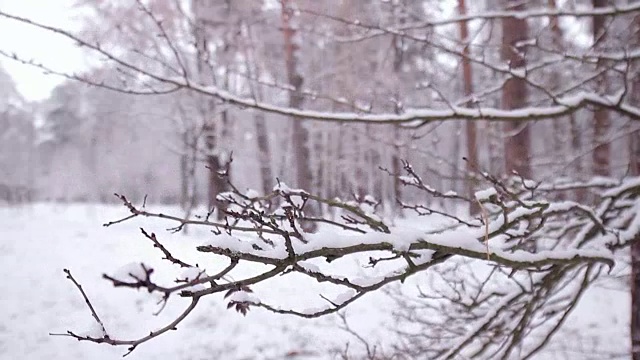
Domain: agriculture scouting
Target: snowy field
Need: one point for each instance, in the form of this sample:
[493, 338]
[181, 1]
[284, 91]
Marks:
[37, 242]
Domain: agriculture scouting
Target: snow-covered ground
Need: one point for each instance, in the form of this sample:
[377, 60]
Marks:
[37, 242]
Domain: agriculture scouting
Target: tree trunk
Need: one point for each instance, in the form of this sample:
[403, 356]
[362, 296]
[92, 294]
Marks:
[559, 125]
[300, 134]
[514, 93]
[634, 160]
[495, 146]
[576, 145]
[184, 171]
[262, 137]
[375, 160]
[341, 182]
[602, 152]
[470, 127]
[262, 132]
[188, 160]
[396, 161]
[358, 163]
[635, 256]
[396, 168]
[216, 183]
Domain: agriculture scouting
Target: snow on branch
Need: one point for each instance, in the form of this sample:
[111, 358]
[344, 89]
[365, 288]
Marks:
[496, 15]
[494, 312]
[541, 245]
[146, 80]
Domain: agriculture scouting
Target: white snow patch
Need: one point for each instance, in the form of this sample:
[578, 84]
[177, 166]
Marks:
[131, 272]
[192, 274]
[486, 194]
[244, 297]
[94, 330]
[344, 297]
[252, 194]
[309, 266]
[409, 180]
[297, 201]
[366, 281]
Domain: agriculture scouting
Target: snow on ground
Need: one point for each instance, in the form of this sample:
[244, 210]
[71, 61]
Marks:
[38, 241]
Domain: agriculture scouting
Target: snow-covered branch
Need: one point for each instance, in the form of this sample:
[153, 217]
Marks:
[144, 80]
[543, 251]
[497, 15]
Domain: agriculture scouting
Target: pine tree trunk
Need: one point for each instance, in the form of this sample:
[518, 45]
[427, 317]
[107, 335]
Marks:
[602, 152]
[514, 93]
[471, 130]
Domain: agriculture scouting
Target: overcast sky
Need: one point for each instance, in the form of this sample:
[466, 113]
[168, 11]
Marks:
[29, 43]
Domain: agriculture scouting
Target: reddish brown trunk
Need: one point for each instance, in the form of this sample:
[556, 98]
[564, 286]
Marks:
[467, 80]
[514, 93]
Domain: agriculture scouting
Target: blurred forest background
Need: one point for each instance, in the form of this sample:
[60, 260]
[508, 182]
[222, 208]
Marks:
[333, 97]
[86, 142]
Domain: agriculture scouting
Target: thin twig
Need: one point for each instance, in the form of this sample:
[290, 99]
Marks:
[86, 300]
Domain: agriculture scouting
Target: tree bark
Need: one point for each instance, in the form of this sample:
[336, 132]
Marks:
[396, 168]
[634, 164]
[262, 137]
[576, 145]
[559, 127]
[396, 164]
[514, 92]
[635, 256]
[216, 183]
[470, 127]
[188, 160]
[602, 152]
[300, 134]
[262, 132]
